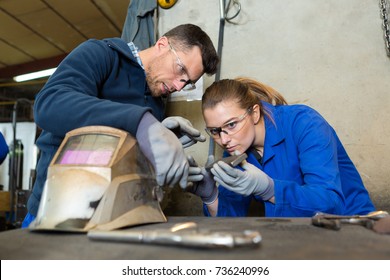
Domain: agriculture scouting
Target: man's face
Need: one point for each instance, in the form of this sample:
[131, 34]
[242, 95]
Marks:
[172, 70]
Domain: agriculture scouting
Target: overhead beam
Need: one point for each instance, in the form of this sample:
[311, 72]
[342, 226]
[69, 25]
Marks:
[11, 71]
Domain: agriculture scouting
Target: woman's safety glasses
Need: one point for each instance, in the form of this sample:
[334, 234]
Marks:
[231, 127]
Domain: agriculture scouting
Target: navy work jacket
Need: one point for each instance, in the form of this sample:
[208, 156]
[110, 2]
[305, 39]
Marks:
[98, 83]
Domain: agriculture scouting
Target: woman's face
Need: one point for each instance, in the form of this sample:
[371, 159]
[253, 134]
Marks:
[237, 122]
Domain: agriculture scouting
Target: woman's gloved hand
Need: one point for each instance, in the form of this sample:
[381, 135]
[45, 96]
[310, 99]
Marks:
[250, 181]
[201, 182]
[164, 150]
[184, 130]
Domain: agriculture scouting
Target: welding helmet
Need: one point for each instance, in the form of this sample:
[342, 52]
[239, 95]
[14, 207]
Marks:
[98, 179]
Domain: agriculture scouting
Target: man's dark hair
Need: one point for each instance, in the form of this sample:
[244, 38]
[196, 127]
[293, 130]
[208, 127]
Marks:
[186, 36]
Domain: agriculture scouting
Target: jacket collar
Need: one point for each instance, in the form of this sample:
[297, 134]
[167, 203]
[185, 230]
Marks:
[120, 46]
[273, 131]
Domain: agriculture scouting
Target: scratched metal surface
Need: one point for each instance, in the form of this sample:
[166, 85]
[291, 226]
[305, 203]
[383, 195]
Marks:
[281, 239]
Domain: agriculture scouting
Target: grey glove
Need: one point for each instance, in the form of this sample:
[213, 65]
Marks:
[162, 148]
[187, 134]
[201, 182]
[250, 181]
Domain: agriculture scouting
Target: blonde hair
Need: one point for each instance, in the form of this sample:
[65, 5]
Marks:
[246, 92]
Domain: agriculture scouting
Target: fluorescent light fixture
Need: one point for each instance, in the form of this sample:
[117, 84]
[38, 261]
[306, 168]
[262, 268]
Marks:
[34, 75]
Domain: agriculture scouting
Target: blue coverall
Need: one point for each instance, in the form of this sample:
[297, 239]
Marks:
[309, 165]
[3, 148]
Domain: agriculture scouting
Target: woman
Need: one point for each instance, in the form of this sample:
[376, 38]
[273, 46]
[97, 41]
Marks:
[296, 163]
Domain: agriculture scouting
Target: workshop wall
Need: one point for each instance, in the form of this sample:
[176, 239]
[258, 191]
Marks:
[329, 55]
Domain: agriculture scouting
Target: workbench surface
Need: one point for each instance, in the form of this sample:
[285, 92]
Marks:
[282, 239]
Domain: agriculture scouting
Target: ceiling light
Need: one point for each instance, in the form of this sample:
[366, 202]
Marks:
[34, 75]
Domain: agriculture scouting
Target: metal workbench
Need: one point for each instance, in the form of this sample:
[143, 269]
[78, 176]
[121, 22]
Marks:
[281, 239]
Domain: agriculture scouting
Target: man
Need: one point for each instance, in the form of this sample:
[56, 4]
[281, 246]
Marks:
[109, 82]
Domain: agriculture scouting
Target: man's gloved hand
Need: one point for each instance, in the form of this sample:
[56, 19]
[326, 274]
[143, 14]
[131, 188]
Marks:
[201, 182]
[250, 181]
[187, 134]
[162, 148]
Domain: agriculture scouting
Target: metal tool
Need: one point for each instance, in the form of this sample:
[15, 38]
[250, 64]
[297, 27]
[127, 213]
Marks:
[320, 221]
[186, 234]
[375, 215]
[334, 222]
[233, 160]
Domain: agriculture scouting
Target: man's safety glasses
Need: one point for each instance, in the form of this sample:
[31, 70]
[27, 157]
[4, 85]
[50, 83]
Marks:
[181, 71]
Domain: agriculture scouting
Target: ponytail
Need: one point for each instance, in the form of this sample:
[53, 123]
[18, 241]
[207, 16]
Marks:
[264, 92]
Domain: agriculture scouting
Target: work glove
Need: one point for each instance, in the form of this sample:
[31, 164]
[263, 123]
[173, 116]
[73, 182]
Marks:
[187, 134]
[201, 182]
[162, 148]
[250, 181]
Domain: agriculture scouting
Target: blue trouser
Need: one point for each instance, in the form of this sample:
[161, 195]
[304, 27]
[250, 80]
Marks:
[27, 220]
